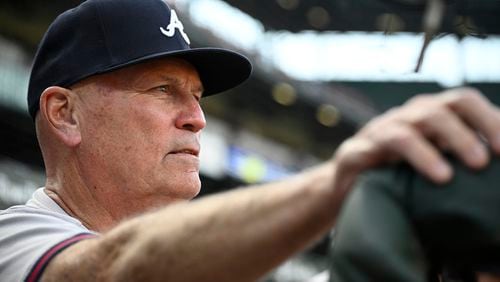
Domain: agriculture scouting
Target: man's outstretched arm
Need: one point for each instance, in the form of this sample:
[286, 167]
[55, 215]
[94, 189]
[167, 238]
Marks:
[234, 236]
[240, 235]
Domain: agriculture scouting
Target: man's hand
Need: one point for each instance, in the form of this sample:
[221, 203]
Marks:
[454, 121]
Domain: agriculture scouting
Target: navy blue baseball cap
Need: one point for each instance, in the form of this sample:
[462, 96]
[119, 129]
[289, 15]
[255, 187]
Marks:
[99, 36]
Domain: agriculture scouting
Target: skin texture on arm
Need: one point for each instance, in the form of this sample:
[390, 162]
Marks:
[235, 236]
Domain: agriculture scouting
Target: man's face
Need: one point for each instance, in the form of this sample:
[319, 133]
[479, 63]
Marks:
[140, 131]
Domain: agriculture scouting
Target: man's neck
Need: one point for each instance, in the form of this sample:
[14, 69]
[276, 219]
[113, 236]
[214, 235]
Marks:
[82, 206]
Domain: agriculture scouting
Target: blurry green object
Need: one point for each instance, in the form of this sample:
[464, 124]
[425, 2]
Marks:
[397, 226]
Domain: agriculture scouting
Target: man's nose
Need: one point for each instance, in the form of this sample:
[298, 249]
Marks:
[191, 118]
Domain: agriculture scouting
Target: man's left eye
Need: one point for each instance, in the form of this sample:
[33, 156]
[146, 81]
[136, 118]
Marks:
[163, 88]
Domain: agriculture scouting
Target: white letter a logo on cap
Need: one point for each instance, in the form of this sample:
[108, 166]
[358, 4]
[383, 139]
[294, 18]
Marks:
[175, 23]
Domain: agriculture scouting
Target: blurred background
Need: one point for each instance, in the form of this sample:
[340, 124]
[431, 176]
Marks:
[322, 68]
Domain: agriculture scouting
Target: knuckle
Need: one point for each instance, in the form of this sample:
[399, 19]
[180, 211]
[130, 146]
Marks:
[470, 91]
[428, 123]
[467, 96]
[468, 143]
[419, 100]
[401, 138]
[378, 122]
[425, 108]
[430, 116]
[440, 115]
[472, 95]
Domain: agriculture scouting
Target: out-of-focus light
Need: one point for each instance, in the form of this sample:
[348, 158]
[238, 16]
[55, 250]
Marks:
[253, 170]
[389, 23]
[328, 115]
[318, 17]
[288, 4]
[228, 22]
[284, 94]
[353, 56]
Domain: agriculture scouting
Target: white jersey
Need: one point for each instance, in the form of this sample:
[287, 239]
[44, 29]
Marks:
[32, 234]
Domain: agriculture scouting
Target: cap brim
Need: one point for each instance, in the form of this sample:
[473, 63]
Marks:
[219, 69]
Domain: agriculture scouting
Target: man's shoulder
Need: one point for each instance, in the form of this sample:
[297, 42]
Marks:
[38, 211]
[23, 214]
[27, 233]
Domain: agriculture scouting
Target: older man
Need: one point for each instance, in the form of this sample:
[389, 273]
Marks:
[115, 92]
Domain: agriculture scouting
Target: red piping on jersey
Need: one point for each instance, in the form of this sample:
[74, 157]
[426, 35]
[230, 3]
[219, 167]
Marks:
[37, 270]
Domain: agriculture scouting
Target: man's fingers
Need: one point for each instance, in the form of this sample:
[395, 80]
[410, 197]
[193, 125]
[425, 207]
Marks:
[478, 112]
[454, 120]
[419, 153]
[450, 131]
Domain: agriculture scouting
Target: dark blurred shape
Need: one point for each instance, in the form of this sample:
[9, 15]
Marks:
[26, 21]
[18, 139]
[390, 23]
[397, 226]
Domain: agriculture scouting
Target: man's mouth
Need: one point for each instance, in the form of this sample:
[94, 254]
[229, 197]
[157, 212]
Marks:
[193, 152]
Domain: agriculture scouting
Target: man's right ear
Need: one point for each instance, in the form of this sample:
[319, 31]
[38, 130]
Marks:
[57, 107]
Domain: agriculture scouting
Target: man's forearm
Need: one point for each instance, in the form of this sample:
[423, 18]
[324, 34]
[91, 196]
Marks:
[234, 236]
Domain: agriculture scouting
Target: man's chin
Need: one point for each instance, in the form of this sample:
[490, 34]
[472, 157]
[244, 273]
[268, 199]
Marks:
[188, 188]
